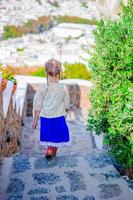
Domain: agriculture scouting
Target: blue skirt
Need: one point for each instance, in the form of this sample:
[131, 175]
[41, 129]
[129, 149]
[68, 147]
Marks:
[54, 131]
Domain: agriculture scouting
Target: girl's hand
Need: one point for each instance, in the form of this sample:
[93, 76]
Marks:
[34, 125]
[35, 119]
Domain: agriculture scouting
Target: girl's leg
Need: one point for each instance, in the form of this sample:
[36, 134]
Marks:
[55, 150]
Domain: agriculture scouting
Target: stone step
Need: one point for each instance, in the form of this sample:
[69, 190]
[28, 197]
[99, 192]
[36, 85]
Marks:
[78, 172]
[80, 139]
[75, 176]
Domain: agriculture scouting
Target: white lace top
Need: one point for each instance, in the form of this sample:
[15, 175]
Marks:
[52, 100]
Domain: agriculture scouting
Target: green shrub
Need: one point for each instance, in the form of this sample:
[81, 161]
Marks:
[76, 70]
[39, 72]
[73, 19]
[111, 99]
[12, 32]
[20, 49]
[6, 75]
[32, 26]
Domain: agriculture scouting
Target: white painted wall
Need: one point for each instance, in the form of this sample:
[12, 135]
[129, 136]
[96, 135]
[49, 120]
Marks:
[7, 97]
[109, 8]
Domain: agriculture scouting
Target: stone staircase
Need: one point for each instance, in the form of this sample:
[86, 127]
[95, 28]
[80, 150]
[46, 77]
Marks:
[79, 172]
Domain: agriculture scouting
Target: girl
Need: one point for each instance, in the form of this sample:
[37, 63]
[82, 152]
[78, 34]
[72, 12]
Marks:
[51, 102]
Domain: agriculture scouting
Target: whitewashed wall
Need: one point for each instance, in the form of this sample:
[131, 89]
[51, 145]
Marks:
[109, 8]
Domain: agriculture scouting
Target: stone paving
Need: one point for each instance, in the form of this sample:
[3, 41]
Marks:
[79, 172]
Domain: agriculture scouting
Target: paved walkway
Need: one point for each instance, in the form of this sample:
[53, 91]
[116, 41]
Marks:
[79, 172]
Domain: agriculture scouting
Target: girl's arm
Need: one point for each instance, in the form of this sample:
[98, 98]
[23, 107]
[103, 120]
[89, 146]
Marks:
[67, 99]
[37, 105]
[35, 118]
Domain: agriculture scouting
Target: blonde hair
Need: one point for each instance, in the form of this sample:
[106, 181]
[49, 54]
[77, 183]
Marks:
[53, 68]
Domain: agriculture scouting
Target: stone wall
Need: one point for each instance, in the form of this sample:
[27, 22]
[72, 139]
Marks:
[78, 97]
[10, 129]
[13, 108]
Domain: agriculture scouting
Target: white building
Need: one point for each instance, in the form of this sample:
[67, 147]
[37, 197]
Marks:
[110, 8]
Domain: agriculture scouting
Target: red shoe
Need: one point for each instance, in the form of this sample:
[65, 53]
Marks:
[55, 150]
[49, 153]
